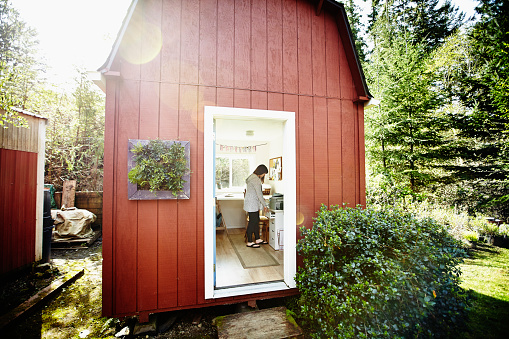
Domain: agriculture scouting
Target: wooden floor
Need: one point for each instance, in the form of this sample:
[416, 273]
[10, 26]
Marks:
[229, 270]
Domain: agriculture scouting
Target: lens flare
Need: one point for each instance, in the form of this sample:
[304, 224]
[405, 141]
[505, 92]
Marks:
[142, 43]
[300, 218]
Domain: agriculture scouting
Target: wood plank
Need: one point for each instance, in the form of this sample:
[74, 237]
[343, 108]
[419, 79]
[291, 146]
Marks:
[108, 189]
[332, 55]
[320, 152]
[147, 255]
[258, 45]
[31, 203]
[347, 88]
[305, 62]
[362, 155]
[68, 193]
[17, 235]
[225, 43]
[38, 299]
[224, 97]
[318, 55]
[291, 104]
[190, 44]
[242, 98]
[290, 47]
[208, 42]
[275, 102]
[334, 150]
[8, 172]
[147, 210]
[167, 241]
[130, 47]
[170, 52]
[275, 45]
[151, 42]
[149, 110]
[242, 70]
[258, 100]
[187, 235]
[125, 228]
[208, 98]
[348, 152]
[305, 161]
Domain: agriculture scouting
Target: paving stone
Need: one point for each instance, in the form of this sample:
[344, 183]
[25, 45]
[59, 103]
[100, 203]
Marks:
[269, 323]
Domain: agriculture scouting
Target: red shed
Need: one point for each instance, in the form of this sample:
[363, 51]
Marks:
[21, 192]
[241, 83]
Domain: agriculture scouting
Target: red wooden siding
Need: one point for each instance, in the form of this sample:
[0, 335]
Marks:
[18, 188]
[263, 54]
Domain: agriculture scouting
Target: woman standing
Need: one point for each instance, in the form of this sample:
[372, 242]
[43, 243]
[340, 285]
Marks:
[253, 202]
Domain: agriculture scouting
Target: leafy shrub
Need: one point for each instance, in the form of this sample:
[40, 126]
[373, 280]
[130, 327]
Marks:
[160, 166]
[503, 230]
[379, 274]
[471, 236]
[489, 229]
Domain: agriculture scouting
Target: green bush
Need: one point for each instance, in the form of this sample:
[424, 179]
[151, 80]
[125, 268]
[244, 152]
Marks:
[379, 274]
[471, 236]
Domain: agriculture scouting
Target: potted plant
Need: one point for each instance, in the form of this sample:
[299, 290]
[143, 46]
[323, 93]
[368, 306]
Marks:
[490, 230]
[472, 237]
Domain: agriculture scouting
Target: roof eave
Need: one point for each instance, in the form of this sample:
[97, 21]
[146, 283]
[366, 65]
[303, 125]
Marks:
[106, 67]
[346, 36]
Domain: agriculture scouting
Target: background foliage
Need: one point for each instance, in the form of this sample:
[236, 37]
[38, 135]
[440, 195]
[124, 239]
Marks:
[75, 131]
[441, 130]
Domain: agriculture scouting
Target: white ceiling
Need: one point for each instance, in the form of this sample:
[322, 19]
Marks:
[235, 129]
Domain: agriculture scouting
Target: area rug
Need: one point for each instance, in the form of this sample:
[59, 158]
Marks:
[251, 257]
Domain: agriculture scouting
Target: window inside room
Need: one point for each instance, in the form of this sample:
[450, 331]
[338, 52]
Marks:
[232, 171]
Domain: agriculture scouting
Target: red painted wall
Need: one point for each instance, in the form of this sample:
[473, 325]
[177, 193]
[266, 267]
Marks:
[18, 185]
[264, 54]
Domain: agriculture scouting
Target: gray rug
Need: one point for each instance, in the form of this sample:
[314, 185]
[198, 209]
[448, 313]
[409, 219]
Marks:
[252, 257]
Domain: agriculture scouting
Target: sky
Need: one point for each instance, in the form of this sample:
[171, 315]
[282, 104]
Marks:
[80, 33]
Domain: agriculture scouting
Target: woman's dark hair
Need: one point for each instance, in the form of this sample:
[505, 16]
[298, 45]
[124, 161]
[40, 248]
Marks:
[261, 169]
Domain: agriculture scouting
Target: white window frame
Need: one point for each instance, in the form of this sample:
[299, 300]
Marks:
[249, 157]
[289, 158]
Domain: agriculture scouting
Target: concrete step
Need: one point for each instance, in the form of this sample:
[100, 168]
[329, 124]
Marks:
[271, 323]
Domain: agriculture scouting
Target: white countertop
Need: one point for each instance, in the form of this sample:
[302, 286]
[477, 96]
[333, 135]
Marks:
[235, 196]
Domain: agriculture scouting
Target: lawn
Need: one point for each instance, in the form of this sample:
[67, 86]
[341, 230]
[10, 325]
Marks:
[486, 275]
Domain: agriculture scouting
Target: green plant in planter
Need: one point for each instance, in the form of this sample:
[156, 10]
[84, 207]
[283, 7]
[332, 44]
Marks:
[159, 166]
[471, 236]
[490, 229]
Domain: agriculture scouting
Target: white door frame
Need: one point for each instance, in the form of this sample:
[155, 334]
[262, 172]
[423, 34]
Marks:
[289, 168]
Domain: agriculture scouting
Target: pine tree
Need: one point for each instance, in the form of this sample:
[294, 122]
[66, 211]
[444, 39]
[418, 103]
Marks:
[19, 68]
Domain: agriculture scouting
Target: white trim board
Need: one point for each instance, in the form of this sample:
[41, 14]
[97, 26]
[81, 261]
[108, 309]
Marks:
[289, 168]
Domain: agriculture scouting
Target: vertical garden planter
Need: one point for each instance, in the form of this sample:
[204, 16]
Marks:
[170, 165]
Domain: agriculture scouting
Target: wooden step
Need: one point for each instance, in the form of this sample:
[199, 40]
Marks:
[271, 323]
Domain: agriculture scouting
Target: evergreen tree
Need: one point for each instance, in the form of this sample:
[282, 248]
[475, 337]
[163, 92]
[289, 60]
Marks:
[404, 131]
[19, 68]
[473, 68]
[424, 22]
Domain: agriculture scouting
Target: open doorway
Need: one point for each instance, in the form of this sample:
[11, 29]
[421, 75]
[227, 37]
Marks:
[235, 142]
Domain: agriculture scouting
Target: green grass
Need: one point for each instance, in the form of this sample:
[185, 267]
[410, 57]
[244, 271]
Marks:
[486, 275]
